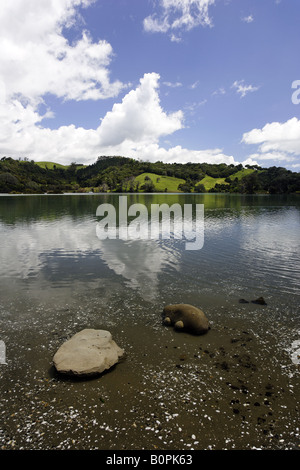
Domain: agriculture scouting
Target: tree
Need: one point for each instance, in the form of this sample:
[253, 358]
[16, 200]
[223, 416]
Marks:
[185, 187]
[251, 183]
[200, 188]
[148, 187]
[72, 169]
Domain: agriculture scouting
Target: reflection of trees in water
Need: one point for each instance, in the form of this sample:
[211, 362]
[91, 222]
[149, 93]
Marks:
[14, 209]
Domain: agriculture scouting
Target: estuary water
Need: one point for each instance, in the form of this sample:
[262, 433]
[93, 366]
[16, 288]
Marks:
[57, 277]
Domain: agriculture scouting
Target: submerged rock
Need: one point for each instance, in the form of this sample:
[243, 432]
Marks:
[186, 317]
[89, 352]
[243, 301]
[260, 301]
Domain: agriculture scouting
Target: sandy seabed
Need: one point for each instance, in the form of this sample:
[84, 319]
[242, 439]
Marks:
[234, 388]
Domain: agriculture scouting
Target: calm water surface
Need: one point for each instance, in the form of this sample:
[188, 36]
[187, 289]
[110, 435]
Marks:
[251, 248]
[57, 277]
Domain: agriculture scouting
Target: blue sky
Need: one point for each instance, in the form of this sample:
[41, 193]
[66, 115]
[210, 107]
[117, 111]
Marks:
[171, 80]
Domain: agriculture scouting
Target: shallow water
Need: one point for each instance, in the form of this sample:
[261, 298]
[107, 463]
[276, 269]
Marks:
[237, 387]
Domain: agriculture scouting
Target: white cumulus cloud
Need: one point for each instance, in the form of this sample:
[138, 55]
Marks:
[278, 141]
[139, 117]
[132, 128]
[179, 154]
[37, 59]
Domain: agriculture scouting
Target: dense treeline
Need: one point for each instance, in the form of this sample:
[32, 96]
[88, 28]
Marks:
[119, 174]
[24, 176]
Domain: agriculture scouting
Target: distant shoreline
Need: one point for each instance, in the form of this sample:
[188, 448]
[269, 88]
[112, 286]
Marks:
[153, 193]
[114, 175]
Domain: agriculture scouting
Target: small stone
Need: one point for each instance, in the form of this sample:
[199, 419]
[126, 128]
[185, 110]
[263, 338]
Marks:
[179, 325]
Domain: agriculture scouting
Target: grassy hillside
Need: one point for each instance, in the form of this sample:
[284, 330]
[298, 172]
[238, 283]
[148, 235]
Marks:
[52, 165]
[209, 182]
[161, 182]
[242, 173]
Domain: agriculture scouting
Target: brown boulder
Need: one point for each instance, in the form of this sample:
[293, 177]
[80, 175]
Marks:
[186, 317]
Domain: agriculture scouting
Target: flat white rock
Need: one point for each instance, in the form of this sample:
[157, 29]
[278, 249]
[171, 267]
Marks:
[88, 352]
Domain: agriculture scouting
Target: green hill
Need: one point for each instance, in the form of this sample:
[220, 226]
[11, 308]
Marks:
[161, 183]
[209, 182]
[53, 165]
[242, 173]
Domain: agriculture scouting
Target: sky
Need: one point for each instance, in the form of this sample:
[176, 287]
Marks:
[214, 81]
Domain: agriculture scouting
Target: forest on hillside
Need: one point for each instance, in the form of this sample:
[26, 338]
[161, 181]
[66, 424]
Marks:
[122, 174]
